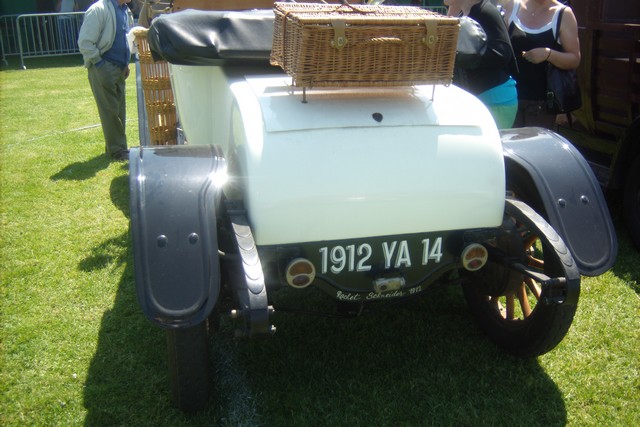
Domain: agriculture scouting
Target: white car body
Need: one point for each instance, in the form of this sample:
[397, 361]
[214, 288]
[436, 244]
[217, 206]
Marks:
[327, 170]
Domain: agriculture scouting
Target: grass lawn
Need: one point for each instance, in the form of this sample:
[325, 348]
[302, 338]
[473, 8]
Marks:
[75, 348]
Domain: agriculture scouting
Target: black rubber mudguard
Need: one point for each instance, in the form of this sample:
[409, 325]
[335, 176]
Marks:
[552, 172]
[174, 193]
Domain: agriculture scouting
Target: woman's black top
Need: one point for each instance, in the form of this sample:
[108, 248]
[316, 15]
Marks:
[531, 80]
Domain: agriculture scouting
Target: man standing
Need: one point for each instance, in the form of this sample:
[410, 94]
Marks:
[105, 50]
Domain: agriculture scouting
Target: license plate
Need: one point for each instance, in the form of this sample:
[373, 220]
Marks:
[385, 254]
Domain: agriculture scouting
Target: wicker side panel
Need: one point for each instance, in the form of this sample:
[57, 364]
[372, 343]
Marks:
[158, 95]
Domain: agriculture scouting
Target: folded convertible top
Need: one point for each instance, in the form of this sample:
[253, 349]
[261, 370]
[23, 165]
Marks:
[195, 37]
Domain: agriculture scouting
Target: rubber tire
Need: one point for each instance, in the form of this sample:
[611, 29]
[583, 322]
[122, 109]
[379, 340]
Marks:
[188, 357]
[545, 327]
[631, 202]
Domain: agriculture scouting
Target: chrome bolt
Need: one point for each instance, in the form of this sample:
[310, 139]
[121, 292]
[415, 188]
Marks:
[162, 241]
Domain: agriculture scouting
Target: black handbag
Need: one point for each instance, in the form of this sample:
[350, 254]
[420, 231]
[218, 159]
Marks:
[563, 92]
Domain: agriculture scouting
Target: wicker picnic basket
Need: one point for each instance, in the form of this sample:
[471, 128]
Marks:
[346, 45]
[158, 95]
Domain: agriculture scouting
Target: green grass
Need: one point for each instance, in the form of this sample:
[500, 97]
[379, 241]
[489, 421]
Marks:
[76, 349]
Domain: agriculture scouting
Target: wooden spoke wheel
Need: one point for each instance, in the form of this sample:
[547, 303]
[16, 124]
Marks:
[525, 298]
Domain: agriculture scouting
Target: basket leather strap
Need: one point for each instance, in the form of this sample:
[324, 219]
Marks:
[339, 37]
[431, 33]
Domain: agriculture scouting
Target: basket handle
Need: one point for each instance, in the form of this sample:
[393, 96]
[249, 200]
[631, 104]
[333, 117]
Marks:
[385, 40]
[345, 3]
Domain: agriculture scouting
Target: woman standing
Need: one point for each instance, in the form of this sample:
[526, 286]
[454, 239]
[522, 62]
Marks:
[489, 79]
[537, 39]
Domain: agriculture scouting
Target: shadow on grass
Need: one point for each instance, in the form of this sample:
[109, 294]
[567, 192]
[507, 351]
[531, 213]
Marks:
[80, 171]
[423, 363]
[417, 364]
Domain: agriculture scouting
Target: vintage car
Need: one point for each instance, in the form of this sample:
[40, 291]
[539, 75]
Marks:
[373, 195]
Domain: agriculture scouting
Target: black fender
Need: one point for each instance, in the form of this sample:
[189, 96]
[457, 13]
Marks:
[547, 172]
[174, 194]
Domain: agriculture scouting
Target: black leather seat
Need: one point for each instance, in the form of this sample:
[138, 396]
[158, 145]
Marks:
[195, 37]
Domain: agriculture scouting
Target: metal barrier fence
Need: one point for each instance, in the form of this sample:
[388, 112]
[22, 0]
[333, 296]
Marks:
[7, 36]
[39, 35]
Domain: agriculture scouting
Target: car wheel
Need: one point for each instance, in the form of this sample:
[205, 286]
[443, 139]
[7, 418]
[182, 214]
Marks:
[188, 354]
[632, 202]
[514, 298]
